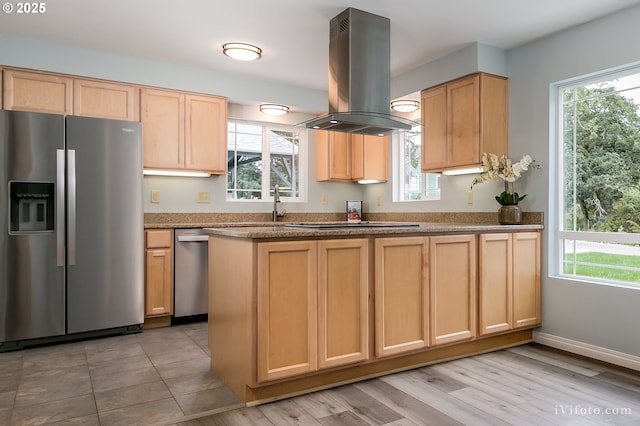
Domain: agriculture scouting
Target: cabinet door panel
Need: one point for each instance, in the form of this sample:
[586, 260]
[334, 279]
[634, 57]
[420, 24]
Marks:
[463, 122]
[526, 279]
[37, 92]
[339, 155]
[106, 100]
[401, 294]
[452, 283]
[162, 114]
[343, 302]
[495, 283]
[206, 134]
[158, 282]
[374, 158]
[434, 132]
[287, 301]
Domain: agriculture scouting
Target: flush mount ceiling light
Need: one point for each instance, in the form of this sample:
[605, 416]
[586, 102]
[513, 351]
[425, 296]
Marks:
[242, 51]
[274, 109]
[405, 105]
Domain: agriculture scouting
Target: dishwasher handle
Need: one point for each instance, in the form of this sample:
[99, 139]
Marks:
[193, 238]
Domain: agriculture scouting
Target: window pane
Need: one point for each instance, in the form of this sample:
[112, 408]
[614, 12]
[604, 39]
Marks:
[244, 178]
[283, 149]
[601, 138]
[415, 185]
[599, 129]
[605, 261]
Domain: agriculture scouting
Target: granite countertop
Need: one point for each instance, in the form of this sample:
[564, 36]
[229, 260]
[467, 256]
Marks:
[279, 230]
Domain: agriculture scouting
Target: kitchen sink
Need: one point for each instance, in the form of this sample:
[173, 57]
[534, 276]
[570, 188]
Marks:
[334, 225]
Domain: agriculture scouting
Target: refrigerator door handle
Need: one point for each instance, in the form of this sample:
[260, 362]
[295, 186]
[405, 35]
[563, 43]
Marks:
[71, 208]
[60, 207]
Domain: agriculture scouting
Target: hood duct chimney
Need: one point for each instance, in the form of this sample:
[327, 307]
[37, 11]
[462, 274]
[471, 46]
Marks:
[359, 76]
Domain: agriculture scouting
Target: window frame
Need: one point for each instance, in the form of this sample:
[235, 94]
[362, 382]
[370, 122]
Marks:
[266, 189]
[398, 172]
[558, 235]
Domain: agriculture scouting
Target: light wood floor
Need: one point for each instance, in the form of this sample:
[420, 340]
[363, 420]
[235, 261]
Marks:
[526, 385]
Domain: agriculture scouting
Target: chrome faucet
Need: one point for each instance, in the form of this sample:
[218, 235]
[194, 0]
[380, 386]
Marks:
[276, 200]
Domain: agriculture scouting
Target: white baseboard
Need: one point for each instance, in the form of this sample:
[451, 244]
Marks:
[603, 354]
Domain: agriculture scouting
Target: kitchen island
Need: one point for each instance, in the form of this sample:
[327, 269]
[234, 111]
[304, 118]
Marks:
[293, 309]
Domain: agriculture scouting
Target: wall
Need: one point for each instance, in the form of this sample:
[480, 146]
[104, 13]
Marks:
[603, 316]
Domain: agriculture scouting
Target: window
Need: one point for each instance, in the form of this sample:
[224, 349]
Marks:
[410, 183]
[261, 156]
[598, 204]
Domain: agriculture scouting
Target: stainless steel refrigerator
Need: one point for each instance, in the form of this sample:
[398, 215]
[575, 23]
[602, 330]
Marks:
[71, 244]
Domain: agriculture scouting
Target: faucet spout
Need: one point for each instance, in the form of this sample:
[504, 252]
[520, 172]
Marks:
[276, 200]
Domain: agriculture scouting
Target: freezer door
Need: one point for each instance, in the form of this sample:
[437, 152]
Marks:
[105, 273]
[32, 292]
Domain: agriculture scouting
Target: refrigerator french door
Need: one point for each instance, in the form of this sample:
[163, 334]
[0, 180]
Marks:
[71, 251]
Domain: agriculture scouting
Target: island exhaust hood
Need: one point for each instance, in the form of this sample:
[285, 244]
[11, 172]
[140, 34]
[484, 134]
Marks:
[359, 76]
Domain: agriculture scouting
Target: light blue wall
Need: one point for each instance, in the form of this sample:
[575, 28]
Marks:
[604, 316]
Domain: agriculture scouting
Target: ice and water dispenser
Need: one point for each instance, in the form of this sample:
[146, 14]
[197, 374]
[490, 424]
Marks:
[31, 207]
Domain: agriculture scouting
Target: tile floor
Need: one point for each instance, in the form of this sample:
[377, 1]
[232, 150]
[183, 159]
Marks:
[159, 376]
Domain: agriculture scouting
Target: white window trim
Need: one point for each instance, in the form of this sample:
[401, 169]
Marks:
[556, 188]
[398, 175]
[303, 163]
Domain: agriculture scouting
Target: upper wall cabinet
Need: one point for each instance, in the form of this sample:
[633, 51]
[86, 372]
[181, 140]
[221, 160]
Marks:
[37, 92]
[60, 94]
[344, 157]
[100, 99]
[462, 120]
[183, 131]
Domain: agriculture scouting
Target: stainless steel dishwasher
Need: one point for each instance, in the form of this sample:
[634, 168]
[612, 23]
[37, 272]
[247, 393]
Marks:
[190, 272]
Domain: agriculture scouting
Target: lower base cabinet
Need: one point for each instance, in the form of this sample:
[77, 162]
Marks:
[452, 284]
[309, 314]
[401, 294]
[312, 306]
[425, 292]
[509, 281]
[158, 280]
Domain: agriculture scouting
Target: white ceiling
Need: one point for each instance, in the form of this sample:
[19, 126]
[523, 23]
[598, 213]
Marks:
[294, 34]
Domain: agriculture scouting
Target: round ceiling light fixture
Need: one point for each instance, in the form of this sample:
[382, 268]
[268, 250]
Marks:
[242, 51]
[405, 105]
[274, 109]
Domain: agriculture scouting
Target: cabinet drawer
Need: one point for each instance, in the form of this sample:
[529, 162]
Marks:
[159, 238]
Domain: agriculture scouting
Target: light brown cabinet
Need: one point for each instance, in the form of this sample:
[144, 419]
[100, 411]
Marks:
[309, 314]
[344, 157]
[462, 120]
[401, 294]
[318, 292]
[59, 94]
[37, 92]
[184, 131]
[452, 284]
[158, 278]
[101, 99]
[509, 281]
[343, 302]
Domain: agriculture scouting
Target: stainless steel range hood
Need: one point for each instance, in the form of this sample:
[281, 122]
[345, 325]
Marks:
[359, 76]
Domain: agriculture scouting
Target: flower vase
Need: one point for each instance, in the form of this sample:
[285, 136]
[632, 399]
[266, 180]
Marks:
[509, 214]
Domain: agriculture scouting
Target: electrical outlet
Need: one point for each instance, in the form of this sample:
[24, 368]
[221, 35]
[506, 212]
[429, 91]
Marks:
[469, 197]
[204, 197]
[155, 196]
[324, 199]
[379, 200]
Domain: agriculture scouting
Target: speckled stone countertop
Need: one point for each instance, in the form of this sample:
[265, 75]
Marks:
[278, 231]
[214, 220]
